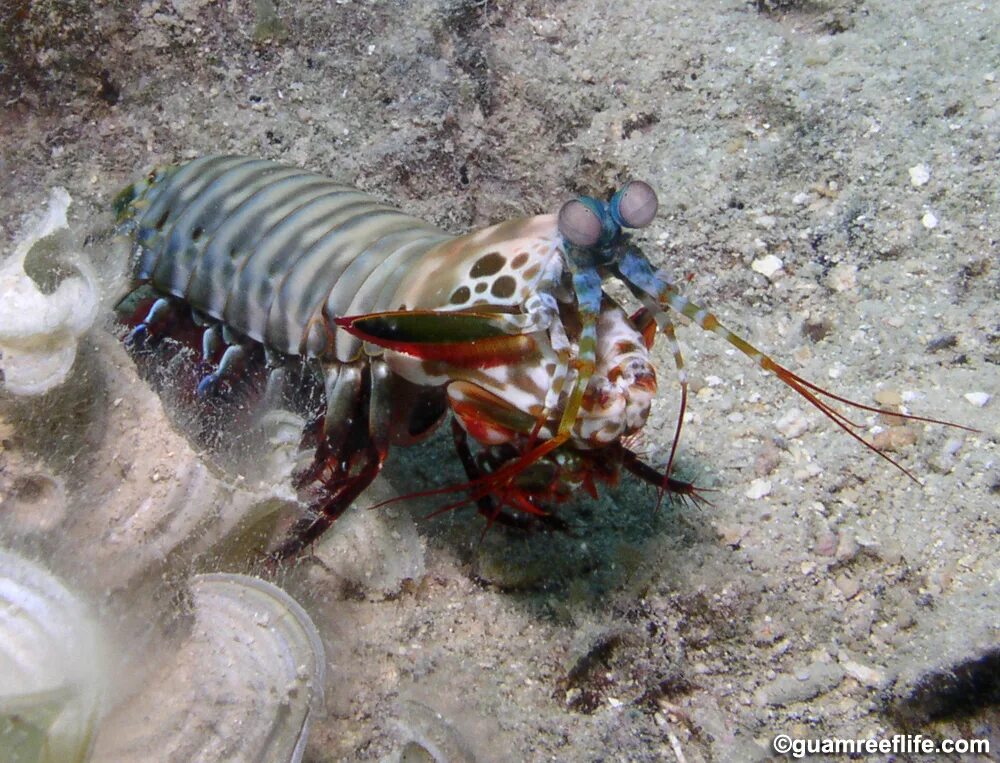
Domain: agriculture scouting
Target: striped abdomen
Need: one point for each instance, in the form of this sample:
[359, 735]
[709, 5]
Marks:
[275, 252]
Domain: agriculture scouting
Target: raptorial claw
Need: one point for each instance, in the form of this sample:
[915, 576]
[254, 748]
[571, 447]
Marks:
[476, 340]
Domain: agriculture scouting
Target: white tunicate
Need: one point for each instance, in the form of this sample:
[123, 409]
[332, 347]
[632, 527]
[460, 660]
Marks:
[173, 507]
[39, 331]
[243, 685]
[52, 666]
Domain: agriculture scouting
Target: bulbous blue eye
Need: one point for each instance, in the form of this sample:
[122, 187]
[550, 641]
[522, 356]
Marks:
[580, 223]
[634, 206]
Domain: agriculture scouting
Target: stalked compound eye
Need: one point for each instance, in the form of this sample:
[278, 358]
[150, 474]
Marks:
[634, 206]
[579, 223]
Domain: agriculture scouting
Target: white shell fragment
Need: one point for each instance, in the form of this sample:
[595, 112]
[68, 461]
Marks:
[51, 666]
[978, 399]
[768, 266]
[241, 687]
[39, 331]
[758, 489]
[919, 175]
[793, 424]
[842, 278]
[929, 220]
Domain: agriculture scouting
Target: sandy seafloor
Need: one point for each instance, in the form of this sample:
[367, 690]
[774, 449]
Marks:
[821, 593]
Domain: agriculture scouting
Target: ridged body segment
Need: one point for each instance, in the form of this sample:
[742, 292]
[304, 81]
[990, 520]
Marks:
[271, 250]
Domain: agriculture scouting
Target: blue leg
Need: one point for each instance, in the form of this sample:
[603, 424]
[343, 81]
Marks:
[161, 309]
[211, 340]
[232, 357]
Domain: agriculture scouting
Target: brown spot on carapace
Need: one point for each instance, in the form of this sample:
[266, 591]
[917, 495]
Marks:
[624, 347]
[487, 265]
[504, 287]
[519, 261]
[460, 296]
[531, 272]
[481, 287]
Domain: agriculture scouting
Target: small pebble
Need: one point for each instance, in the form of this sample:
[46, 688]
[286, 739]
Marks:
[888, 397]
[945, 342]
[816, 328]
[929, 220]
[792, 424]
[731, 535]
[767, 266]
[767, 459]
[870, 677]
[847, 548]
[847, 586]
[758, 489]
[894, 438]
[952, 445]
[978, 399]
[765, 631]
[805, 684]
[826, 543]
[842, 278]
[919, 175]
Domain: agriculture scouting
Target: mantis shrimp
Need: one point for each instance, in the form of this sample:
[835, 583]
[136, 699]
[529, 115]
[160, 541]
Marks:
[290, 275]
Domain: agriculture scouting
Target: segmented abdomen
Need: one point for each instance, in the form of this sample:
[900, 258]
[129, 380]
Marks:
[275, 252]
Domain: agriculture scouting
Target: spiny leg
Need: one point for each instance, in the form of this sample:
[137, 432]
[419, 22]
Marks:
[484, 503]
[662, 480]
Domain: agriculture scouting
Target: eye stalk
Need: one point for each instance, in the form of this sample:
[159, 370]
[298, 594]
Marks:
[588, 223]
[581, 221]
[634, 206]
